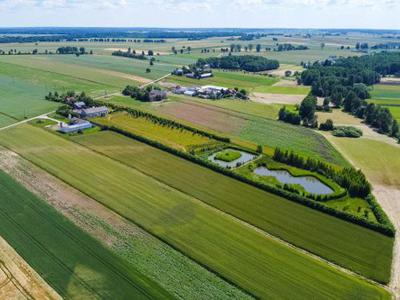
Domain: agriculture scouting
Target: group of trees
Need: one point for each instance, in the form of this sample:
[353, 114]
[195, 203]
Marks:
[132, 54]
[305, 115]
[248, 63]
[354, 181]
[290, 47]
[141, 94]
[288, 116]
[70, 97]
[345, 83]
[71, 50]
[347, 131]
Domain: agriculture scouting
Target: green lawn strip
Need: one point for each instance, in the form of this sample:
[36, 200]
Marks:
[385, 91]
[346, 244]
[285, 90]
[228, 155]
[72, 262]
[260, 265]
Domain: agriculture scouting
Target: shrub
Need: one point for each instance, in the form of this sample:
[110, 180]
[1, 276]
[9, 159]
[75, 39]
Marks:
[347, 131]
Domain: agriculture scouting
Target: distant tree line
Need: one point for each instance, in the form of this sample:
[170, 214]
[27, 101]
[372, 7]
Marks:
[248, 63]
[290, 47]
[345, 82]
[71, 50]
[354, 181]
[130, 54]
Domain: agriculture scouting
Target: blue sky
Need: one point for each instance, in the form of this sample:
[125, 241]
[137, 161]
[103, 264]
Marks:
[206, 13]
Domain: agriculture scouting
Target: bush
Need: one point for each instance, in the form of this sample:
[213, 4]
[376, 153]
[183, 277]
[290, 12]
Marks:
[347, 131]
[327, 126]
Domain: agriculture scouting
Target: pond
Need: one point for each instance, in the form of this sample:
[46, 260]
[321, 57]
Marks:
[309, 183]
[244, 158]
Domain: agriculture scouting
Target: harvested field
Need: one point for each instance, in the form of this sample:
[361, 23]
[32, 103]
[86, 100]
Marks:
[208, 117]
[270, 98]
[241, 254]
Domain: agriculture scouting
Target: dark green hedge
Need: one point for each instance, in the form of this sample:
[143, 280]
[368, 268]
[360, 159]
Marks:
[382, 228]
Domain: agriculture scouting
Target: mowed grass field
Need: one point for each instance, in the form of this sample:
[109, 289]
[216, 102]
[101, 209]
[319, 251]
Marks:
[356, 248]
[180, 139]
[236, 252]
[69, 260]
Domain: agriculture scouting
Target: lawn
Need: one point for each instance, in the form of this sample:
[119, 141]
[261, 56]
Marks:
[70, 261]
[181, 139]
[356, 248]
[228, 155]
[227, 79]
[253, 261]
[385, 91]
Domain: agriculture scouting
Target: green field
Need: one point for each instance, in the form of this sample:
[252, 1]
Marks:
[244, 256]
[227, 79]
[385, 91]
[181, 139]
[72, 263]
[228, 155]
[285, 90]
[355, 247]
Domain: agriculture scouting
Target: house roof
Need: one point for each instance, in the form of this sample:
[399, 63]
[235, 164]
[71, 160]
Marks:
[94, 110]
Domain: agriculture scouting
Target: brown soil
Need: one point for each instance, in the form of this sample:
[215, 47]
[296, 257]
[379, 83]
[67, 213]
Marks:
[18, 280]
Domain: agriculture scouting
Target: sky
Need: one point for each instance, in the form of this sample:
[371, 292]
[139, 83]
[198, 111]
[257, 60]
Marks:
[371, 14]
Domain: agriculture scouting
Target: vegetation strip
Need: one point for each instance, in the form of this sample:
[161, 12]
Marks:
[267, 212]
[240, 254]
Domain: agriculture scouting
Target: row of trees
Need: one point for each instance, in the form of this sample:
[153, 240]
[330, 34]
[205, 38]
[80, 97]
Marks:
[248, 63]
[130, 54]
[71, 50]
[354, 181]
[290, 47]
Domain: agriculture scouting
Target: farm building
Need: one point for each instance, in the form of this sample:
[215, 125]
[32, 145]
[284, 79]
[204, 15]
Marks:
[79, 105]
[157, 95]
[92, 112]
[74, 126]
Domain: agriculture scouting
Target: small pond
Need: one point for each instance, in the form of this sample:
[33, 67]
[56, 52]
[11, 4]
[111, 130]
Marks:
[309, 183]
[244, 158]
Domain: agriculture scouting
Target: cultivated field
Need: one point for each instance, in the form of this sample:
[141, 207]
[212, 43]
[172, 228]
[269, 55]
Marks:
[72, 262]
[173, 271]
[240, 254]
[174, 137]
[266, 211]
